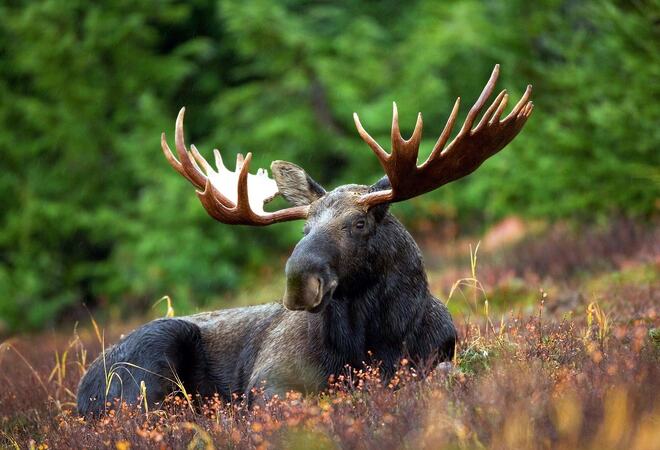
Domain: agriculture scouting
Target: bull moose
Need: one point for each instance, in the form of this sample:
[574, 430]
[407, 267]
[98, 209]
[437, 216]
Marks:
[356, 289]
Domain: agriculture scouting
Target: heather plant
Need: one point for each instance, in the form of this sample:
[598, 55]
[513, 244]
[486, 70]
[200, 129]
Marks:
[541, 378]
[548, 387]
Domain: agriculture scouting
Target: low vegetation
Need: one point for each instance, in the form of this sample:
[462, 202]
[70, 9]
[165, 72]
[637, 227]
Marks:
[574, 363]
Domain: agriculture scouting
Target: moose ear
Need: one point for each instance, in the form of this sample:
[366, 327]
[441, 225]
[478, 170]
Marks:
[294, 184]
[379, 211]
[381, 185]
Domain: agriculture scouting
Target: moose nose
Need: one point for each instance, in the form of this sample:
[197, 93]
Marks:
[303, 292]
[310, 278]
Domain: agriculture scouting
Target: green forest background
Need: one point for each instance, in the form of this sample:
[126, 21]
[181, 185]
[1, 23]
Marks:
[92, 213]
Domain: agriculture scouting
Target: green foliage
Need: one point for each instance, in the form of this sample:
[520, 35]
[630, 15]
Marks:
[92, 213]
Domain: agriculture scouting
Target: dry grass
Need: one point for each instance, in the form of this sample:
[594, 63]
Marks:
[582, 376]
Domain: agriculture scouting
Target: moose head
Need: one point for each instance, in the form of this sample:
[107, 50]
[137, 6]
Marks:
[341, 223]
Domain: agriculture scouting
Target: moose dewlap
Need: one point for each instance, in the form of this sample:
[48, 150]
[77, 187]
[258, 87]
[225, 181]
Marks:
[356, 289]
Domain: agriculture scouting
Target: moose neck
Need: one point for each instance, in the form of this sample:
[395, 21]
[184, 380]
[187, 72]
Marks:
[375, 310]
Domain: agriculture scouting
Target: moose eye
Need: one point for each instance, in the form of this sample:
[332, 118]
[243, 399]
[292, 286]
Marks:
[359, 224]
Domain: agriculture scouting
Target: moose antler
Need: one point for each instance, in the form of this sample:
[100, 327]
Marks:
[230, 197]
[469, 149]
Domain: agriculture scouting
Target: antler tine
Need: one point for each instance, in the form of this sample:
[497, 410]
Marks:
[522, 102]
[242, 201]
[183, 166]
[481, 101]
[218, 159]
[239, 161]
[395, 132]
[382, 155]
[405, 151]
[446, 132]
[412, 144]
[419, 127]
[171, 158]
[192, 172]
[199, 159]
[491, 110]
[500, 109]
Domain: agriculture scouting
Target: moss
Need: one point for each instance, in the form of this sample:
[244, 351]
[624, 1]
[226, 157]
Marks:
[475, 359]
[654, 337]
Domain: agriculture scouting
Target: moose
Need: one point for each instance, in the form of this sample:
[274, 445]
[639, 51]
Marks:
[356, 290]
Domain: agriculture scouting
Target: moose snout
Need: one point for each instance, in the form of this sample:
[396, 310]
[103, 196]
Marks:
[303, 292]
[308, 290]
[310, 277]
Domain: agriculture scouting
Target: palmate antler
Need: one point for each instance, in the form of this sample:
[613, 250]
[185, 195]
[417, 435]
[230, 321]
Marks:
[238, 197]
[225, 194]
[469, 149]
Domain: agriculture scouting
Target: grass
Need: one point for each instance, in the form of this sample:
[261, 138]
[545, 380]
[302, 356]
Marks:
[576, 364]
